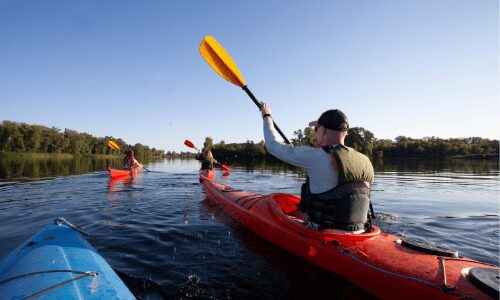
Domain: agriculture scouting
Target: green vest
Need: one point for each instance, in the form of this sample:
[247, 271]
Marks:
[352, 165]
[346, 205]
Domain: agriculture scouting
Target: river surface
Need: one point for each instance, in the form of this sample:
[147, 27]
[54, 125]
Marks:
[164, 241]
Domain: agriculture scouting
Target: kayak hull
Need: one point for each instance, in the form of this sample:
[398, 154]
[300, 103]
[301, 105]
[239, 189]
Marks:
[375, 261]
[123, 173]
[207, 174]
[58, 263]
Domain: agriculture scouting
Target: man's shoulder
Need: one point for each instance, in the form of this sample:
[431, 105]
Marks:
[309, 151]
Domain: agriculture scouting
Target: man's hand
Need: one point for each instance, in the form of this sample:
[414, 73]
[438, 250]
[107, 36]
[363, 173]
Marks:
[265, 110]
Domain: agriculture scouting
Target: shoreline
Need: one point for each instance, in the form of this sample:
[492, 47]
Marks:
[55, 155]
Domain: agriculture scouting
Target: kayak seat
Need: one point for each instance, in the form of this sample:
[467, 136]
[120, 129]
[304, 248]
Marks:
[288, 203]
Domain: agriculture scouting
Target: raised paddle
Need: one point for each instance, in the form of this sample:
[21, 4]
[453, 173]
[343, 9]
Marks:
[191, 145]
[223, 64]
[114, 146]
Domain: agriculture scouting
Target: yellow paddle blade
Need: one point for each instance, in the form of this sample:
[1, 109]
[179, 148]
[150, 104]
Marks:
[113, 145]
[220, 61]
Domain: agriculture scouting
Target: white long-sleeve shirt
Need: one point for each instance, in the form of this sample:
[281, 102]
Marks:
[315, 161]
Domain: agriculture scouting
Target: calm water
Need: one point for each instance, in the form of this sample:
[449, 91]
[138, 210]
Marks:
[159, 235]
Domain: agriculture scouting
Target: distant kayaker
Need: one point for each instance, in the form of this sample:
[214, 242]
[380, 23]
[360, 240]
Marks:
[129, 161]
[207, 159]
[336, 194]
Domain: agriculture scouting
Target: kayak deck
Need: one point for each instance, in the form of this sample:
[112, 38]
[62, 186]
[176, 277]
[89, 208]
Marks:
[58, 263]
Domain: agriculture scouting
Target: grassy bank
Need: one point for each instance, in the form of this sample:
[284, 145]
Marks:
[54, 155]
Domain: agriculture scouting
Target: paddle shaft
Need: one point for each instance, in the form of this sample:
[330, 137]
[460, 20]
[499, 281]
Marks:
[249, 93]
[223, 166]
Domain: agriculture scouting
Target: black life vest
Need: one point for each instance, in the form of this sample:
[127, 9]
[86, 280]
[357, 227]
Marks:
[345, 206]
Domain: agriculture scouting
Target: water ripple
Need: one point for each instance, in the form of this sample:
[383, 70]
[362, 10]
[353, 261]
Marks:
[162, 236]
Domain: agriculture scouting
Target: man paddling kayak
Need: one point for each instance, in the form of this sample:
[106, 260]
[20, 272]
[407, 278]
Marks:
[336, 194]
[207, 159]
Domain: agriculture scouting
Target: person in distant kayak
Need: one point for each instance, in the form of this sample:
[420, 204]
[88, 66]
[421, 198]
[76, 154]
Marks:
[336, 194]
[207, 159]
[129, 161]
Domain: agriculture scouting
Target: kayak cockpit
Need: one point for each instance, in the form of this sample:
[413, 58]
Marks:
[287, 202]
[286, 207]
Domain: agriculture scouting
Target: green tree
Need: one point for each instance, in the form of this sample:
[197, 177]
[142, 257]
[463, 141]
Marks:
[208, 144]
[22, 137]
[11, 137]
[32, 136]
[99, 146]
[139, 150]
[261, 149]
[304, 138]
[360, 139]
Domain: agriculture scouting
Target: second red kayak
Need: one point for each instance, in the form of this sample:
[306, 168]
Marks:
[384, 265]
[121, 173]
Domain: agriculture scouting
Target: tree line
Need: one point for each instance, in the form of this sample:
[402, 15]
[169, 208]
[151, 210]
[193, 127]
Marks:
[25, 138]
[365, 141]
[428, 147]
[231, 151]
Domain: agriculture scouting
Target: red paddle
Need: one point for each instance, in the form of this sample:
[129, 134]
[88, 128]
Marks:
[190, 145]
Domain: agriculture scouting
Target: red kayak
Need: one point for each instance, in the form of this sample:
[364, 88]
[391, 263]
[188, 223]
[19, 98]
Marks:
[386, 266]
[207, 174]
[120, 173]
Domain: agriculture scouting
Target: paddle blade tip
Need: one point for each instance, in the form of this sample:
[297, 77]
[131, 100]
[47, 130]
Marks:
[113, 145]
[220, 61]
[188, 143]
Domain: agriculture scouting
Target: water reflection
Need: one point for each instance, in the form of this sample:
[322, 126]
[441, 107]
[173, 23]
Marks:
[22, 167]
[476, 167]
[120, 184]
[448, 165]
[157, 227]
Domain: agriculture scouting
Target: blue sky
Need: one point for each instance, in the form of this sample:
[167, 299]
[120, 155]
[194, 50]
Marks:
[132, 69]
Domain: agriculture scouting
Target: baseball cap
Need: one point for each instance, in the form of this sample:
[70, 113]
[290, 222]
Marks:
[332, 119]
